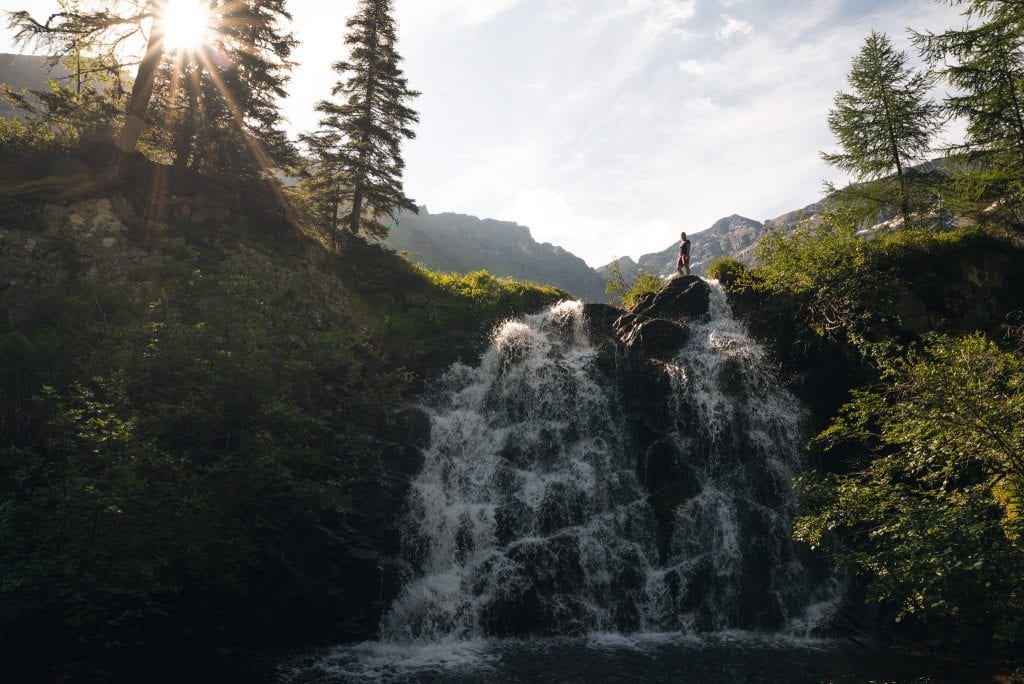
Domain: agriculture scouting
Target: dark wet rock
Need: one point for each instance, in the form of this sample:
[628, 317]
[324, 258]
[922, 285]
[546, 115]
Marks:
[656, 337]
[624, 323]
[658, 324]
[598, 320]
[683, 299]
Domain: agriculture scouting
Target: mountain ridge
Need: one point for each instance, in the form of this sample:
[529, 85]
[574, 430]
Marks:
[450, 241]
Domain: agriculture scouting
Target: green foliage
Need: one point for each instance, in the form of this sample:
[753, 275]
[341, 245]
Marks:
[32, 149]
[930, 512]
[459, 304]
[161, 466]
[628, 291]
[490, 296]
[828, 268]
[643, 283]
[884, 126]
[728, 271]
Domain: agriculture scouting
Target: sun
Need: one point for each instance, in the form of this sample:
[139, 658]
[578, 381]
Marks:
[186, 24]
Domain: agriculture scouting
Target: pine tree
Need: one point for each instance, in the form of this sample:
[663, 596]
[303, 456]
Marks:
[984, 64]
[358, 145]
[884, 127]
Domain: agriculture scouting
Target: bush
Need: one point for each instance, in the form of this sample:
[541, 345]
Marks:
[643, 283]
[164, 464]
[930, 514]
[826, 267]
[493, 297]
[727, 271]
[627, 291]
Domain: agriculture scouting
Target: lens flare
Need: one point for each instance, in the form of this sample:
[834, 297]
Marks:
[186, 24]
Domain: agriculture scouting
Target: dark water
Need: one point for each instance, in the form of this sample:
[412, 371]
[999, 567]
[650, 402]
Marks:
[614, 658]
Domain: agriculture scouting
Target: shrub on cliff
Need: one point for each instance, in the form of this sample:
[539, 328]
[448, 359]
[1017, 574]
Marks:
[165, 464]
[831, 271]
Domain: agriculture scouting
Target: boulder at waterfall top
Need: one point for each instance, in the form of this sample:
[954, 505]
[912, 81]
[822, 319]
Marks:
[657, 324]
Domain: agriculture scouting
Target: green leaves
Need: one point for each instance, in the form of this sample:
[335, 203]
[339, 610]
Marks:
[932, 519]
[165, 461]
[836, 275]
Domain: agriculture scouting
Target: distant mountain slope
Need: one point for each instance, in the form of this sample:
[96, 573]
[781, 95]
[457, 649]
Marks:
[733, 236]
[727, 236]
[26, 72]
[457, 242]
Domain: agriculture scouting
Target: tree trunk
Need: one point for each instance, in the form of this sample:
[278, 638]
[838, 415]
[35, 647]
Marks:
[142, 89]
[189, 126]
[895, 148]
[357, 209]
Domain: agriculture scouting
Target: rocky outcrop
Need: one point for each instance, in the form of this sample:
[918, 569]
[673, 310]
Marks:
[657, 324]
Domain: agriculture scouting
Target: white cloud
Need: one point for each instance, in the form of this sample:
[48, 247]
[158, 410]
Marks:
[419, 16]
[732, 27]
[691, 66]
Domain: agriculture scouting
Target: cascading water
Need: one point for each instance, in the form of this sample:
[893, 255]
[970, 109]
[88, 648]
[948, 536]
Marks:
[737, 432]
[527, 515]
[531, 515]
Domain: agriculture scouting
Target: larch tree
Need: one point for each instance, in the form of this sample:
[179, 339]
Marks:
[884, 127]
[357, 148]
[984, 65]
[236, 75]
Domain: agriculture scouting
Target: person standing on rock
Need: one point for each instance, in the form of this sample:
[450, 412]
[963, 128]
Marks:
[683, 262]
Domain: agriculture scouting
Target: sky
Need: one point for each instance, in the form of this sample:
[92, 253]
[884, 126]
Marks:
[608, 126]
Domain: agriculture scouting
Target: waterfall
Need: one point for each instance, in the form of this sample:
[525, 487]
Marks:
[738, 433]
[533, 512]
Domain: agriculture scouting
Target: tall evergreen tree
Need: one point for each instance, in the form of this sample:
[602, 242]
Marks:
[358, 146]
[884, 127]
[984, 64]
